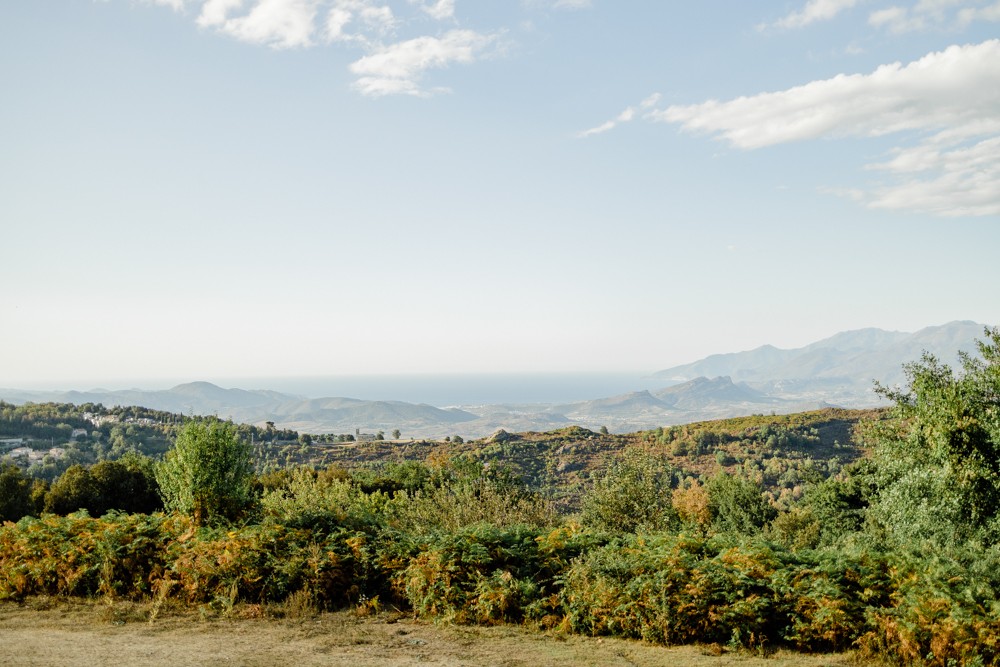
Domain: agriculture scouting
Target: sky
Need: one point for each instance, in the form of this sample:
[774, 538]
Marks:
[252, 188]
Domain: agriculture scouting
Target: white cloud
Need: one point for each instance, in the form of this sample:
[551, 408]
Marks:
[897, 20]
[280, 24]
[176, 5]
[440, 10]
[370, 20]
[215, 12]
[388, 66]
[947, 179]
[814, 10]
[925, 14]
[572, 4]
[971, 14]
[398, 68]
[949, 101]
[625, 116]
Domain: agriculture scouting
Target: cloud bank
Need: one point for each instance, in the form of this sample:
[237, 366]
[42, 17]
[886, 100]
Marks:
[948, 102]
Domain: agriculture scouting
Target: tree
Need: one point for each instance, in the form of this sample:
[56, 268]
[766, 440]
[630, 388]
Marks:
[937, 457]
[74, 490]
[208, 474]
[737, 504]
[15, 494]
[396, 434]
[633, 494]
[126, 484]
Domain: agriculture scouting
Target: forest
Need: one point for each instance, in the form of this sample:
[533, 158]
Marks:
[874, 532]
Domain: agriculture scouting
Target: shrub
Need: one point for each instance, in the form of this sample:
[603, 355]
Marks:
[320, 502]
[463, 498]
[485, 574]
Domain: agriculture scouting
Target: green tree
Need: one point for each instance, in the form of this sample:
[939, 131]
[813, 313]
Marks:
[737, 504]
[396, 434]
[937, 457]
[127, 485]
[15, 493]
[208, 474]
[634, 493]
[74, 490]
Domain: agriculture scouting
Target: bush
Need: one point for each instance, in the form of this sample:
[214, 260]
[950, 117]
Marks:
[485, 574]
[465, 493]
[320, 502]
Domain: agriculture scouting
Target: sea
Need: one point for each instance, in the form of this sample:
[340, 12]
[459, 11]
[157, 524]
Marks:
[459, 389]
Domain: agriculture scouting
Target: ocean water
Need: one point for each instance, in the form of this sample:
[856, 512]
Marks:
[440, 390]
[465, 389]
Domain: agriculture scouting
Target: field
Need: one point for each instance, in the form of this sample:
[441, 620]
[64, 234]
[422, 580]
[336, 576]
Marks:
[70, 632]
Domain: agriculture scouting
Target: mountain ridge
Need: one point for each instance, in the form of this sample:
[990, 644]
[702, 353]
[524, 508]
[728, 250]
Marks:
[837, 371]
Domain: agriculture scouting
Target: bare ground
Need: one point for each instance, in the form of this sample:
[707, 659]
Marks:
[60, 632]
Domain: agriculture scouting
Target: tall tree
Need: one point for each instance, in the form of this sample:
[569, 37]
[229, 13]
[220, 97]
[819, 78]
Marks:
[208, 474]
[938, 456]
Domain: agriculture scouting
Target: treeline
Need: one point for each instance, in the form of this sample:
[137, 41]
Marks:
[894, 556]
[119, 431]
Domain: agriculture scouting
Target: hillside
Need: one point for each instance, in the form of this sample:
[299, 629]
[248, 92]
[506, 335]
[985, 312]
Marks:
[785, 451]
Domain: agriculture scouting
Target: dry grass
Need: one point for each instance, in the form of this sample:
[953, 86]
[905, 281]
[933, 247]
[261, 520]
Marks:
[73, 632]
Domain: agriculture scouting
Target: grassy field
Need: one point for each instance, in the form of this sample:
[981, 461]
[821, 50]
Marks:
[70, 632]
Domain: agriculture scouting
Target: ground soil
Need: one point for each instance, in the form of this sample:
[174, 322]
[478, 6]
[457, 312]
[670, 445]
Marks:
[91, 633]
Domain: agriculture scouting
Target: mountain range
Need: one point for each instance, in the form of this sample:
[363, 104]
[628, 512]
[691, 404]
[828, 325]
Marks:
[836, 371]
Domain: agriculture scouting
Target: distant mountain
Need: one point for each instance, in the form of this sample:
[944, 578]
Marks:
[836, 371]
[203, 398]
[702, 392]
[343, 415]
[321, 415]
[850, 360]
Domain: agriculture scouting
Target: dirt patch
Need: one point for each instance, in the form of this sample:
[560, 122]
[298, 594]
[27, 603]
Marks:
[46, 631]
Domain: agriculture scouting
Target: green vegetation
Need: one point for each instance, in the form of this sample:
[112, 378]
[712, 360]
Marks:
[762, 532]
[208, 473]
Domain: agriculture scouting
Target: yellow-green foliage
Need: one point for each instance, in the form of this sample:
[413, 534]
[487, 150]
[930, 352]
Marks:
[138, 555]
[912, 607]
[944, 610]
[321, 502]
[78, 555]
[675, 590]
[486, 574]
[466, 502]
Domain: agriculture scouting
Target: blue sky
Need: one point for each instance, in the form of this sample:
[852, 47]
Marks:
[197, 189]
